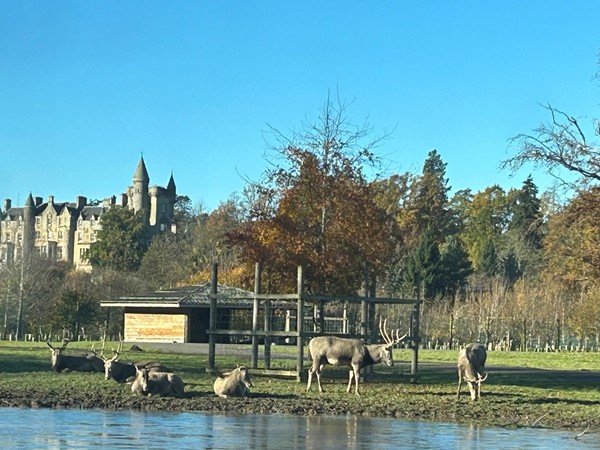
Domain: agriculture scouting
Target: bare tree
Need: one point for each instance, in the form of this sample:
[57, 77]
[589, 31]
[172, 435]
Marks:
[557, 145]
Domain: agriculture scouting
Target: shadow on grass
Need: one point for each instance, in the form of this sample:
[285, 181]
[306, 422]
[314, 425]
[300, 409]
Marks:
[12, 364]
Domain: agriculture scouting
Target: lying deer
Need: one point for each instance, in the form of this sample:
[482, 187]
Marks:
[75, 363]
[353, 353]
[149, 383]
[125, 372]
[233, 384]
[471, 367]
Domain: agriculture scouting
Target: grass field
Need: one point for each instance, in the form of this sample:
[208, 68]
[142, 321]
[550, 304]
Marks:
[557, 390]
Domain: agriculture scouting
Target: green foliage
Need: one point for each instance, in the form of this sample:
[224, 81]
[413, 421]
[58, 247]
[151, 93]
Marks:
[121, 242]
[455, 265]
[526, 214]
[166, 262]
[422, 274]
[75, 311]
[431, 200]
[489, 259]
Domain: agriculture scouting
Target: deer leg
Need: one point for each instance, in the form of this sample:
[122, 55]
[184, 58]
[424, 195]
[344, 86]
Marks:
[459, 384]
[356, 371]
[310, 374]
[318, 372]
[351, 374]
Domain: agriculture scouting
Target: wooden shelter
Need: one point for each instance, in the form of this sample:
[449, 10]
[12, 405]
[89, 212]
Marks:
[181, 315]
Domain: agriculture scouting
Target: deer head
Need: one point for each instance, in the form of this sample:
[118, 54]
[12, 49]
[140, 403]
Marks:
[390, 341]
[56, 352]
[108, 362]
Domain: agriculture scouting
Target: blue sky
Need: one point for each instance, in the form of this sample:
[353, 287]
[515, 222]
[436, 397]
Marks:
[86, 87]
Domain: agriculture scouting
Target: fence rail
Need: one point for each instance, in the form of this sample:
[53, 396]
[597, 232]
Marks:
[299, 300]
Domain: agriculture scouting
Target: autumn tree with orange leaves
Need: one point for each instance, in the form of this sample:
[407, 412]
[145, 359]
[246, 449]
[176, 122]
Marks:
[315, 207]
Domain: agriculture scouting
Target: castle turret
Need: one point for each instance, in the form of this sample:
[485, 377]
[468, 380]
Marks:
[140, 198]
[28, 227]
[171, 187]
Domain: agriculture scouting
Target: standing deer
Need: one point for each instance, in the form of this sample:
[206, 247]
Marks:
[149, 383]
[471, 367]
[62, 363]
[353, 353]
[233, 384]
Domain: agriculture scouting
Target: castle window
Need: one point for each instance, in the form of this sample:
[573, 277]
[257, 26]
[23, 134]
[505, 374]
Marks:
[38, 221]
[38, 235]
[79, 236]
[60, 235]
[59, 252]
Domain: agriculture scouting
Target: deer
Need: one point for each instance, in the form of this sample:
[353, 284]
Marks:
[80, 363]
[125, 372]
[150, 383]
[471, 366]
[233, 384]
[354, 353]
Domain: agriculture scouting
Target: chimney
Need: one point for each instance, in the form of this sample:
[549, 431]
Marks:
[51, 199]
[124, 200]
[80, 202]
[109, 201]
[7, 204]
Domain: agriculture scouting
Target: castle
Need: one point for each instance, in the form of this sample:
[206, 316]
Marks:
[65, 231]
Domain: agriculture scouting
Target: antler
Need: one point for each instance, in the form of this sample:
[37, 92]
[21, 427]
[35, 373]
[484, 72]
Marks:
[389, 340]
[477, 380]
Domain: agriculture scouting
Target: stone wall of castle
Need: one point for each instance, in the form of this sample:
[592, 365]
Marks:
[65, 231]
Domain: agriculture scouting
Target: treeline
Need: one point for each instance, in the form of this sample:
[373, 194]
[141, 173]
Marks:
[517, 269]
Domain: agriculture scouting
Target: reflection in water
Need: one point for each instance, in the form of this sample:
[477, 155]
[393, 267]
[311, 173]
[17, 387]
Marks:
[59, 429]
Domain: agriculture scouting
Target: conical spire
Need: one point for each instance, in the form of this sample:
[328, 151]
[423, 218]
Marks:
[171, 186]
[29, 202]
[141, 174]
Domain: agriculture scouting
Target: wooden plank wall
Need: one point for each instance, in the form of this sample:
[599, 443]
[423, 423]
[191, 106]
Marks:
[140, 327]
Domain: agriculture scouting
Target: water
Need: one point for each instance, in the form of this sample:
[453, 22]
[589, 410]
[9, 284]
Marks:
[61, 429]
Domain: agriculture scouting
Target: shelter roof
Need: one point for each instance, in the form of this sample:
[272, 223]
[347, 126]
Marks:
[195, 296]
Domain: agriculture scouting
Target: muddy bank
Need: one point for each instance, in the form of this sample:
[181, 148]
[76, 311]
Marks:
[494, 410]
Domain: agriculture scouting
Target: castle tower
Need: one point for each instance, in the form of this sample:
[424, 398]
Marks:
[172, 193]
[28, 227]
[140, 198]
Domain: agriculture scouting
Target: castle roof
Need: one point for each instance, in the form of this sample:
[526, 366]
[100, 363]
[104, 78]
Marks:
[141, 174]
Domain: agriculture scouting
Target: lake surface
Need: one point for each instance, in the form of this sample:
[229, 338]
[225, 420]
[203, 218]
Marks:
[60, 429]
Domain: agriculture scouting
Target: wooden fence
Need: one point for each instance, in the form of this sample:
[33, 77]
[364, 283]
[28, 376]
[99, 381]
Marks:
[300, 335]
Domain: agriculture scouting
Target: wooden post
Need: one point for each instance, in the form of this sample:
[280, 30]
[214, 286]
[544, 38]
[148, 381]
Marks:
[212, 337]
[267, 329]
[299, 326]
[254, 360]
[364, 316]
[372, 321]
[364, 310]
[416, 312]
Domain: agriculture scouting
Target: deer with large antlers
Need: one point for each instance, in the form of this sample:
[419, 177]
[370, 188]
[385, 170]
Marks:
[123, 372]
[353, 353]
[74, 363]
[471, 367]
